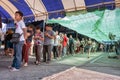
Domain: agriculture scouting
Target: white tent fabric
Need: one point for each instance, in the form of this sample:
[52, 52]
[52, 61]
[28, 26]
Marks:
[73, 5]
[9, 7]
[39, 12]
[41, 9]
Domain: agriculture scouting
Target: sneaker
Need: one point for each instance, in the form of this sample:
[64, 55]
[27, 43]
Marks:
[10, 67]
[14, 70]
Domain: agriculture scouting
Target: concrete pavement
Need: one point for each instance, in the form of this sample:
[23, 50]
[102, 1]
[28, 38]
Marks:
[34, 72]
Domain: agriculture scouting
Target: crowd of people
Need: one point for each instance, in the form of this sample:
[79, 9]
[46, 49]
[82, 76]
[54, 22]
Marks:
[46, 44]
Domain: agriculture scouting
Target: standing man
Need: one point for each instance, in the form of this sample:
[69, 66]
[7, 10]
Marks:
[56, 43]
[47, 48]
[71, 45]
[82, 45]
[60, 45]
[21, 29]
[88, 46]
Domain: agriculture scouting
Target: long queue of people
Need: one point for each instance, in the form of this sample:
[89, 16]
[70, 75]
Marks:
[48, 43]
[44, 44]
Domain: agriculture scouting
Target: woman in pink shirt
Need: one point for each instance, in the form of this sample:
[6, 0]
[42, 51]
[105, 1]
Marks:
[39, 38]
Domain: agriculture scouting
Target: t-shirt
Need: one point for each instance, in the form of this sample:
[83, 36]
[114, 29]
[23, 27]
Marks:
[52, 41]
[29, 39]
[39, 42]
[19, 26]
[57, 40]
[47, 40]
[71, 41]
[83, 43]
[65, 40]
[93, 44]
[8, 37]
[61, 40]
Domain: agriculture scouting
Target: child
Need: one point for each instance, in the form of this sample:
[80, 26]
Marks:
[9, 46]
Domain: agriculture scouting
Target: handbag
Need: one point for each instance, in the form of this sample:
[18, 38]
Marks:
[15, 38]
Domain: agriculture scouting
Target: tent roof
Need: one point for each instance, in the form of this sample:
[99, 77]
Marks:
[42, 9]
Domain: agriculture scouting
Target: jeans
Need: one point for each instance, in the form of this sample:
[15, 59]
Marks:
[64, 50]
[17, 55]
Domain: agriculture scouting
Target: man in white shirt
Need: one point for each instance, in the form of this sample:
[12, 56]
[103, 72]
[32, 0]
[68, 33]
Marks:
[55, 46]
[21, 29]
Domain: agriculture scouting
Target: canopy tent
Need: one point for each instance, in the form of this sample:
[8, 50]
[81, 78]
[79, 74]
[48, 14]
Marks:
[47, 9]
[97, 25]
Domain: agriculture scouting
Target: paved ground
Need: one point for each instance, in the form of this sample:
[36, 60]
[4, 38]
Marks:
[104, 64]
[81, 74]
[98, 62]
